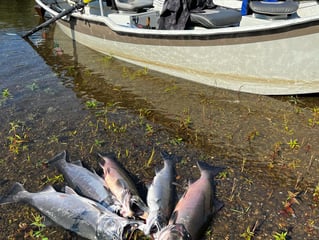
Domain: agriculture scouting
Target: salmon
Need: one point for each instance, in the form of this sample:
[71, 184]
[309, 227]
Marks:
[85, 217]
[84, 182]
[161, 196]
[118, 181]
[196, 207]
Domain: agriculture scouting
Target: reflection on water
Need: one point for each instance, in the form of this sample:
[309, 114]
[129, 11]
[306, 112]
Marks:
[66, 96]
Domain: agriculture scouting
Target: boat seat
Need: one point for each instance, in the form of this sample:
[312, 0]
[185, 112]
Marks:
[216, 18]
[274, 7]
[133, 5]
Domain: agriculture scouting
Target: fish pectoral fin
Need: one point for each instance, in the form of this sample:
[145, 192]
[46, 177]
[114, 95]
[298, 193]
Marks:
[77, 163]
[58, 159]
[173, 217]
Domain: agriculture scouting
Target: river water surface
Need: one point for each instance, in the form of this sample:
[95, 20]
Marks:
[59, 95]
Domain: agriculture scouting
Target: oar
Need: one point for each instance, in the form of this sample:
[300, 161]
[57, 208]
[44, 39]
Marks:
[55, 18]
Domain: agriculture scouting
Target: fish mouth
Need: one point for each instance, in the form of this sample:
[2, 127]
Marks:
[138, 207]
[154, 224]
[174, 232]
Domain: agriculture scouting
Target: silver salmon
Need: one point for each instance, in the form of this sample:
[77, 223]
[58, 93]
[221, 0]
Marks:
[74, 213]
[83, 181]
[197, 205]
[122, 186]
[161, 196]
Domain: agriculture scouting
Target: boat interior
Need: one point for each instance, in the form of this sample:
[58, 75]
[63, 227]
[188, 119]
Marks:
[225, 13]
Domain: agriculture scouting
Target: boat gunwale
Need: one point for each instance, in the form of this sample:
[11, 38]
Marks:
[269, 27]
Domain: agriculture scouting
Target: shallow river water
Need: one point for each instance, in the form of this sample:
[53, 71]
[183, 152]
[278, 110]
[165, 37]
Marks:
[59, 95]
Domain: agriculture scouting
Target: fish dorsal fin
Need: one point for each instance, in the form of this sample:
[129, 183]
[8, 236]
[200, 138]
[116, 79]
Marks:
[69, 190]
[217, 205]
[77, 163]
[59, 159]
[211, 170]
[190, 181]
[48, 188]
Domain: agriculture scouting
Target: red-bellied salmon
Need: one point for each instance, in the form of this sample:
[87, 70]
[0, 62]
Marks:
[118, 181]
[197, 205]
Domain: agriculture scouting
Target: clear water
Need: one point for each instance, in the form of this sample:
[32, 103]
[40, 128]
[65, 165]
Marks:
[57, 94]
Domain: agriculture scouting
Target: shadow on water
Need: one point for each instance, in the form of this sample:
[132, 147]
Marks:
[66, 96]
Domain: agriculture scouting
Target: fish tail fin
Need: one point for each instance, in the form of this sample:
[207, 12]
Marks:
[212, 170]
[13, 195]
[59, 159]
[170, 158]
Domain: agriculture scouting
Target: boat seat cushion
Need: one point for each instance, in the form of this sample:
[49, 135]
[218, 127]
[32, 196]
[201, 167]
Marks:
[216, 17]
[274, 7]
[133, 5]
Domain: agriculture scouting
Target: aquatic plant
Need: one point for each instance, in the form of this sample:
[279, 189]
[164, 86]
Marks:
[176, 141]
[106, 59]
[185, 120]
[315, 117]
[293, 144]
[70, 69]
[91, 104]
[149, 129]
[280, 236]
[97, 144]
[53, 180]
[132, 75]
[114, 127]
[286, 127]
[35, 229]
[17, 136]
[33, 86]
[171, 88]
[6, 93]
[222, 175]
[53, 139]
[248, 234]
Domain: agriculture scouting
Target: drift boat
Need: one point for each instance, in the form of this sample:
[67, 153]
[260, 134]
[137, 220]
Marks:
[271, 50]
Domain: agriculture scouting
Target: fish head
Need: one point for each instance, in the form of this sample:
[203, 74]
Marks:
[154, 223]
[111, 226]
[174, 232]
[139, 207]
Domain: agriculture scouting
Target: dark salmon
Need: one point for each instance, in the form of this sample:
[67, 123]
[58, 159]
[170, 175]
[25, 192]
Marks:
[197, 205]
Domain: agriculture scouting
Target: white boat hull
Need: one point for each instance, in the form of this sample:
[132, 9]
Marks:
[280, 63]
